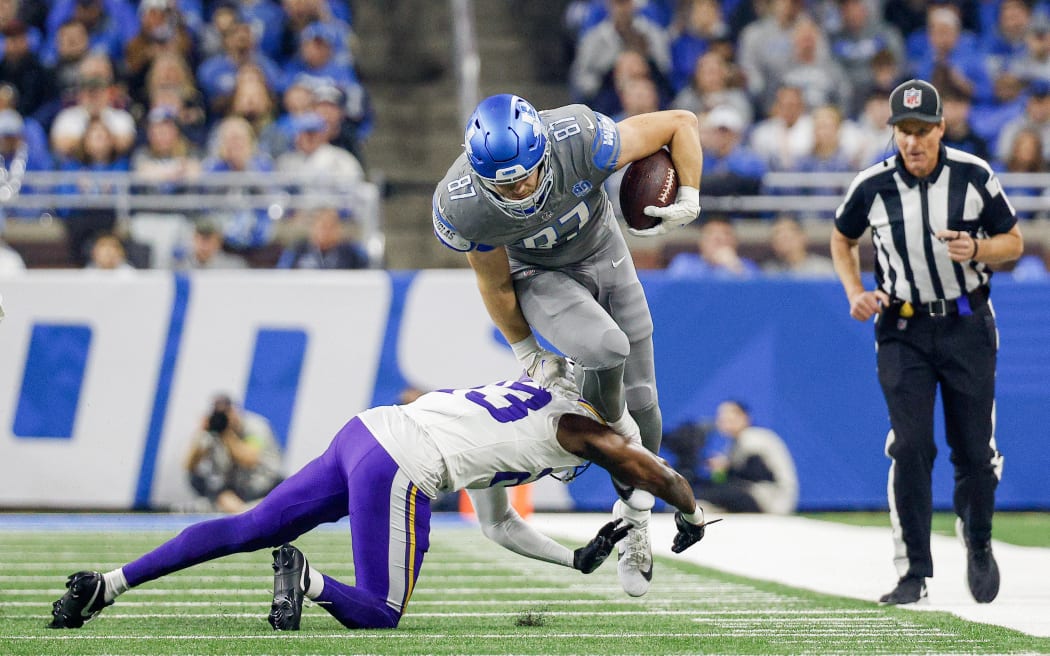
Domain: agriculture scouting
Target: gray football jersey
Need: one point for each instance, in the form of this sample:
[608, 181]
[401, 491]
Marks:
[577, 217]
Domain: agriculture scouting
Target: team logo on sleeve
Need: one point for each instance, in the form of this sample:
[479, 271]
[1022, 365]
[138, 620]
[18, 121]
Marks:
[582, 188]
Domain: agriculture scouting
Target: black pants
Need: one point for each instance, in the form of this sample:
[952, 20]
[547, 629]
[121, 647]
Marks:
[916, 355]
[731, 496]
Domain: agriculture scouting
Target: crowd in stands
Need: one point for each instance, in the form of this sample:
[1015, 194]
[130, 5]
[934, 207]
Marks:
[178, 91]
[802, 85]
[172, 91]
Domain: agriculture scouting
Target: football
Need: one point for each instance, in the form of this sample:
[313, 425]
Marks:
[649, 181]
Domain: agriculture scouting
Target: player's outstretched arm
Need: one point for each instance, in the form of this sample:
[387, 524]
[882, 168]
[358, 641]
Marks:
[504, 526]
[633, 465]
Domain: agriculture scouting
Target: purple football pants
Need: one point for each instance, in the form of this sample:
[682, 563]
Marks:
[389, 522]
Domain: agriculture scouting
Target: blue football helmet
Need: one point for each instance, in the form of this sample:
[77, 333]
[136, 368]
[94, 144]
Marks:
[506, 141]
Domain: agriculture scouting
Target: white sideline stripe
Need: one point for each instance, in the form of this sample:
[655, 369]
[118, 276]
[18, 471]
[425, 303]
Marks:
[697, 594]
[365, 634]
[748, 619]
[750, 612]
[848, 561]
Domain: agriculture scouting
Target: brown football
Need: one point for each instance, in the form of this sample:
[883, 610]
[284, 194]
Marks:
[648, 181]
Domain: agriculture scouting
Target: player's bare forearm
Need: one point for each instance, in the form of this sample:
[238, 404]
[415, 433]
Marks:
[644, 134]
[492, 270]
[628, 462]
[650, 473]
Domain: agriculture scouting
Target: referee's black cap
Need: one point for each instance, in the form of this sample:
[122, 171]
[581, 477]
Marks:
[915, 99]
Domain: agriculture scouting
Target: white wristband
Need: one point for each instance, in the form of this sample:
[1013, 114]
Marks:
[696, 517]
[525, 347]
[691, 194]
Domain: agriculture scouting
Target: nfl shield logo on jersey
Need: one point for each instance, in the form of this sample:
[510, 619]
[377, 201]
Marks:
[912, 98]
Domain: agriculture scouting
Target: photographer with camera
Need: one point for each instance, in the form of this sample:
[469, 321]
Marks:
[235, 458]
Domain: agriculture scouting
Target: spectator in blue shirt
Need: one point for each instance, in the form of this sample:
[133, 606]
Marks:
[945, 45]
[97, 153]
[300, 14]
[702, 25]
[244, 228]
[730, 168]
[318, 56]
[1005, 40]
[217, 76]
[325, 247]
[718, 257]
[267, 21]
[110, 24]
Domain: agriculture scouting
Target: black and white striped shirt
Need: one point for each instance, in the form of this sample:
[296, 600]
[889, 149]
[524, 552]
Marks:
[904, 212]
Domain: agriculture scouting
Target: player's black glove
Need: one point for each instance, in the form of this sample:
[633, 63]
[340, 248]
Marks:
[588, 557]
[688, 533]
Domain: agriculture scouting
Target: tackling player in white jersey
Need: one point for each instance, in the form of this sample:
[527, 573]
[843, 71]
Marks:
[526, 203]
[383, 469]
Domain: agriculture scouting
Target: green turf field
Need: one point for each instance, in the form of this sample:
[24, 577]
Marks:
[1026, 529]
[472, 598]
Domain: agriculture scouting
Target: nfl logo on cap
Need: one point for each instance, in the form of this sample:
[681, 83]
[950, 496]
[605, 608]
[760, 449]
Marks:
[916, 100]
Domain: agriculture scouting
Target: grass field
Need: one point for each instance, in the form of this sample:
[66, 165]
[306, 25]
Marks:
[472, 598]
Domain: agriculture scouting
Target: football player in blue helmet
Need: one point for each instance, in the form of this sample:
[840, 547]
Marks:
[505, 143]
[526, 202]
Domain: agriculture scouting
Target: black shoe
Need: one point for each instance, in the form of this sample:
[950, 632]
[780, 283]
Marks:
[85, 598]
[291, 578]
[909, 590]
[982, 572]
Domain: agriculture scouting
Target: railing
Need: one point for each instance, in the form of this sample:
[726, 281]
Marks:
[465, 52]
[43, 194]
[829, 189]
[280, 194]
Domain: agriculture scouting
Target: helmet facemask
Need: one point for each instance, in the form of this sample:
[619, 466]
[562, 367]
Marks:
[525, 207]
[506, 142]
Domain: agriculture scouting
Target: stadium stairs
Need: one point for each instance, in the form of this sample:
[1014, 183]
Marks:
[419, 131]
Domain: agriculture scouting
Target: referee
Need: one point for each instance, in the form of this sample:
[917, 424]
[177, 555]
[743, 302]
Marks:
[938, 218]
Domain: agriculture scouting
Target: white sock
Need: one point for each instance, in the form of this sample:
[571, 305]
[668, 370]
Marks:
[640, 500]
[316, 584]
[627, 426]
[633, 515]
[116, 584]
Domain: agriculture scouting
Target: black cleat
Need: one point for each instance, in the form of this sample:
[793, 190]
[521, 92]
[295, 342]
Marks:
[84, 599]
[909, 590]
[291, 578]
[982, 572]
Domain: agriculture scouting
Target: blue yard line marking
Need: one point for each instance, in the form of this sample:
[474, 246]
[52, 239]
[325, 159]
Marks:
[176, 325]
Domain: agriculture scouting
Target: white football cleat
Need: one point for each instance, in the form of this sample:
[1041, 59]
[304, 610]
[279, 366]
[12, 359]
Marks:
[634, 553]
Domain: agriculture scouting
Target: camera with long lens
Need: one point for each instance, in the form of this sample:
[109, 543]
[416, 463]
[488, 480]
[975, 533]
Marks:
[219, 420]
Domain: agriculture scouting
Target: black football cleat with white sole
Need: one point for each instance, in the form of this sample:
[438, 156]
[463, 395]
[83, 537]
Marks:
[291, 579]
[84, 599]
[909, 590]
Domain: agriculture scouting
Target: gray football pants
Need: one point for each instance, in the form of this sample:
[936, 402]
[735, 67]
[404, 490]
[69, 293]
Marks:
[596, 314]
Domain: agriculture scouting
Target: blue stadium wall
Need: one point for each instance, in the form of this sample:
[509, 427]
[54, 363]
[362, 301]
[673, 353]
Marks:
[103, 379]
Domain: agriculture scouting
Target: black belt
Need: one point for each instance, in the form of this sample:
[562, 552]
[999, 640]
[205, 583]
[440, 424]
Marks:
[942, 307]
